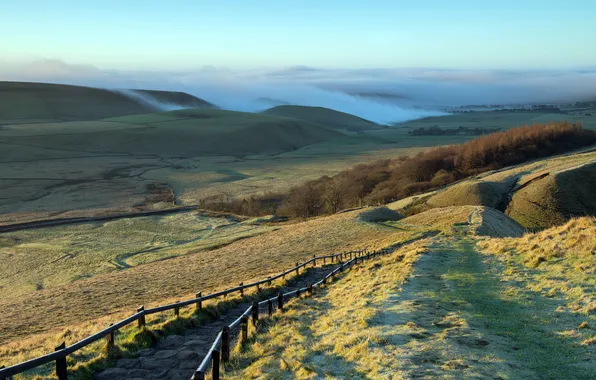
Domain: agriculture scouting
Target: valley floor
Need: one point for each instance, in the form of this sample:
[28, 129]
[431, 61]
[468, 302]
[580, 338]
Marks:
[457, 316]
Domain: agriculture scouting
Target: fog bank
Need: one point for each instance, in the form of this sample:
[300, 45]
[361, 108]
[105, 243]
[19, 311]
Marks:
[380, 95]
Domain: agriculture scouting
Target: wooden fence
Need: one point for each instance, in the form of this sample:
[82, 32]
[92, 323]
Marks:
[214, 355]
[219, 353]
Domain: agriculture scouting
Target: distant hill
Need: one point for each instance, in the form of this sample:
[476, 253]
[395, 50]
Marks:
[324, 116]
[44, 102]
[187, 133]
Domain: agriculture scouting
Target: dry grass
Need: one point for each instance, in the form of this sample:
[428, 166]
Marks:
[453, 318]
[564, 258]
[331, 335]
[111, 295]
[472, 192]
[48, 257]
[129, 340]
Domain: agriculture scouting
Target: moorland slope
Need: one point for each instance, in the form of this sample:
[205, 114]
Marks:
[22, 102]
[453, 306]
[129, 161]
[537, 195]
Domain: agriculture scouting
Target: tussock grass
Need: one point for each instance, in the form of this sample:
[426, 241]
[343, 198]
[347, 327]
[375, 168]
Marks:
[564, 258]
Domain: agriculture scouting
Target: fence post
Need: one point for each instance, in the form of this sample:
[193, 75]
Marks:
[142, 317]
[225, 344]
[243, 330]
[270, 307]
[324, 260]
[199, 375]
[268, 280]
[309, 288]
[297, 293]
[61, 372]
[241, 289]
[110, 341]
[177, 310]
[255, 313]
[258, 288]
[297, 267]
[280, 301]
[215, 365]
[199, 302]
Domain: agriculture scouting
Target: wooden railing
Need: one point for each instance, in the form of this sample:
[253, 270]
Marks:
[219, 353]
[62, 351]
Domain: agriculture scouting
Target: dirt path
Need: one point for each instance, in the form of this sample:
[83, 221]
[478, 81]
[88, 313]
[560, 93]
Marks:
[177, 356]
[465, 321]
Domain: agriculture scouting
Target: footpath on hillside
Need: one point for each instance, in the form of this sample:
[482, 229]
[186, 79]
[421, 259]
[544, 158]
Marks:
[466, 321]
[177, 356]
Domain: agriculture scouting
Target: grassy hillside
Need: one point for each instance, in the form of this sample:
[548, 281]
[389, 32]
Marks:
[324, 116]
[540, 194]
[177, 133]
[117, 163]
[556, 197]
[442, 309]
[91, 278]
[43, 102]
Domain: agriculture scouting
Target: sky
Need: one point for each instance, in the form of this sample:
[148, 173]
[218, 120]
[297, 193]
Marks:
[422, 56]
[239, 34]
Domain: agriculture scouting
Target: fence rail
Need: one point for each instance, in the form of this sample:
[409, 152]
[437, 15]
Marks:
[62, 351]
[219, 353]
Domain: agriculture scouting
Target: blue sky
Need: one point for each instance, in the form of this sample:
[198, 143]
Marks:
[183, 35]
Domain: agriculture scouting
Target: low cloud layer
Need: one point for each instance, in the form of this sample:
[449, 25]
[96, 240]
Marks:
[381, 95]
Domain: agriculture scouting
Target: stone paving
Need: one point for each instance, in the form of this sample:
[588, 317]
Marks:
[177, 356]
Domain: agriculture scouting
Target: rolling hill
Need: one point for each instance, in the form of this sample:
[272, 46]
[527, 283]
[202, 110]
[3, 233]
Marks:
[123, 162]
[179, 133]
[22, 102]
[537, 195]
[324, 116]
